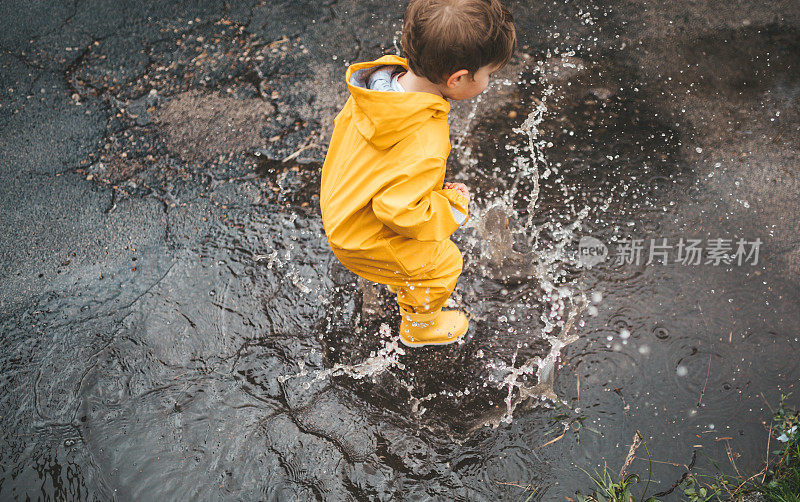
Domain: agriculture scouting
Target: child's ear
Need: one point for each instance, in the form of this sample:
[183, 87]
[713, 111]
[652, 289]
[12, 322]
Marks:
[454, 79]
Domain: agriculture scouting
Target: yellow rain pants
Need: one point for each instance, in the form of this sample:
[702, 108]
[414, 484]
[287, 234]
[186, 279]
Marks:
[425, 289]
[385, 213]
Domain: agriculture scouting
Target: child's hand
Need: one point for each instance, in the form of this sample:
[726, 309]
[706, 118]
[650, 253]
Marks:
[458, 187]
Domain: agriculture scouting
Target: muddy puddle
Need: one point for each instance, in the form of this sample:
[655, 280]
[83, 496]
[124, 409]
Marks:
[249, 364]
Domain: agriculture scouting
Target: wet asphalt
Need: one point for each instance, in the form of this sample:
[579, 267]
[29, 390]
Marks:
[130, 130]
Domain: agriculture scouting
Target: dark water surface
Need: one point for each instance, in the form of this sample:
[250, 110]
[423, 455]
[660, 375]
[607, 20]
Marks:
[224, 353]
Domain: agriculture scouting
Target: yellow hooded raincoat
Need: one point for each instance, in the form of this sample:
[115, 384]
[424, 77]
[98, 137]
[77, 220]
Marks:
[385, 213]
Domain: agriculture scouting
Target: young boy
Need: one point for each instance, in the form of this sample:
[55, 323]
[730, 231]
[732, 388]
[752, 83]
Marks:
[386, 210]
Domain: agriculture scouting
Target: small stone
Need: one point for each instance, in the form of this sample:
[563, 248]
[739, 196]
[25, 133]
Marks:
[601, 93]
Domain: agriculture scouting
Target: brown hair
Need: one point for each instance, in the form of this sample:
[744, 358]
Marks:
[441, 37]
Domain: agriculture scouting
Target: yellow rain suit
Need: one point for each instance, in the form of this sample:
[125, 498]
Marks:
[385, 213]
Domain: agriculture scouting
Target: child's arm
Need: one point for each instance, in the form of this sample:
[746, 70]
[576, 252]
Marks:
[413, 206]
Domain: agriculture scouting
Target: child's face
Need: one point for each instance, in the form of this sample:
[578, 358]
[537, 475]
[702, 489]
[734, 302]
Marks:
[461, 86]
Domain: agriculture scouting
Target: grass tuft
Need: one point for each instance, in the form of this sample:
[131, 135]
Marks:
[778, 481]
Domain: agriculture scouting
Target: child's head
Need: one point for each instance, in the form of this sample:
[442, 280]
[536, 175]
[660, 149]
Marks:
[458, 41]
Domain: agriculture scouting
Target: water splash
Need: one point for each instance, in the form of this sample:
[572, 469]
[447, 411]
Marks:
[548, 263]
[384, 359]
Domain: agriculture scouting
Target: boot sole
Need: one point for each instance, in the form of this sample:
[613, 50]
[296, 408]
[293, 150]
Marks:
[423, 344]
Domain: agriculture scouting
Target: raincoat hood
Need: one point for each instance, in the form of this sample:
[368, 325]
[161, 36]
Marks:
[385, 118]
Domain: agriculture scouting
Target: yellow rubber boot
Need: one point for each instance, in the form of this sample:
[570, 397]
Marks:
[435, 328]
